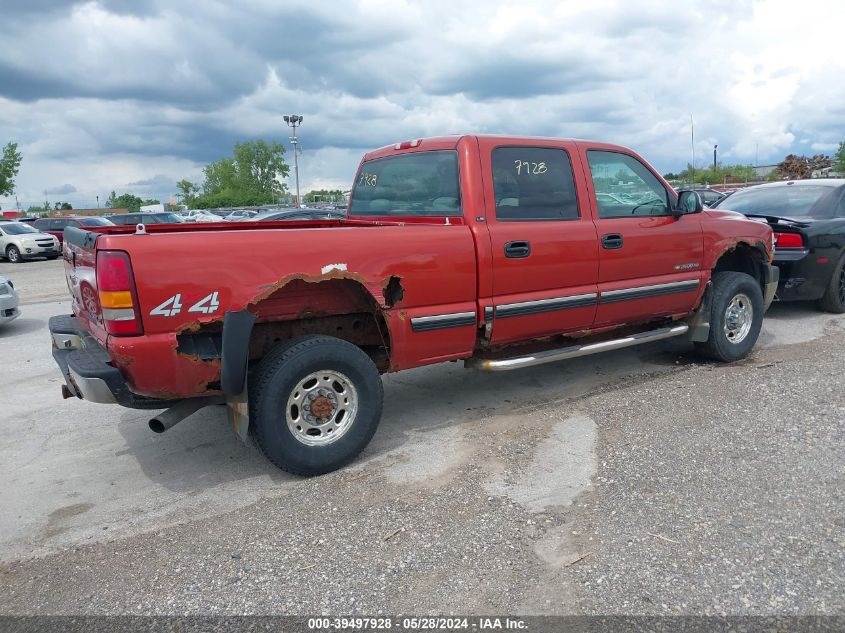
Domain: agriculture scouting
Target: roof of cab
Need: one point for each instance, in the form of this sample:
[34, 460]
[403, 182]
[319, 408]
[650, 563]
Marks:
[433, 143]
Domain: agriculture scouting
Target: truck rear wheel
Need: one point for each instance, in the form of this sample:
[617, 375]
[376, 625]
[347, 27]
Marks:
[315, 403]
[736, 317]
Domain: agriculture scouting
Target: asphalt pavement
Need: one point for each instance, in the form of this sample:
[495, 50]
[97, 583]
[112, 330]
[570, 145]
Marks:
[643, 481]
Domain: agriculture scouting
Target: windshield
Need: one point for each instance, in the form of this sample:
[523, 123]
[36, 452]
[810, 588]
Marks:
[789, 201]
[95, 222]
[14, 228]
[422, 184]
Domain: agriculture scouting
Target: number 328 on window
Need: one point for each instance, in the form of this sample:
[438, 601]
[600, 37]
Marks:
[527, 167]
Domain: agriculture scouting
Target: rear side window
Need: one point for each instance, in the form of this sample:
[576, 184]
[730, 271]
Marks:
[625, 187]
[94, 222]
[59, 225]
[418, 184]
[42, 225]
[533, 183]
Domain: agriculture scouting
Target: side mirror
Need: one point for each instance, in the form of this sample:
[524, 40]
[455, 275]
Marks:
[688, 202]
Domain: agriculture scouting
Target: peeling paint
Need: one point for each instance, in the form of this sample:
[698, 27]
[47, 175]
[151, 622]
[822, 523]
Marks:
[330, 267]
[267, 290]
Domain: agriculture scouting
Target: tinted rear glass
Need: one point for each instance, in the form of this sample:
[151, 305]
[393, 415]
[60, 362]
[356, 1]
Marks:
[95, 222]
[788, 201]
[423, 183]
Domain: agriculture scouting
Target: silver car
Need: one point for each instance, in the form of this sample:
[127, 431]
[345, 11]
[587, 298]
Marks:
[8, 301]
[19, 241]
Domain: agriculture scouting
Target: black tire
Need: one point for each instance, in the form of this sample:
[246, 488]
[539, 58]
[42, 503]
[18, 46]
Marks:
[53, 257]
[13, 254]
[726, 287]
[834, 295]
[276, 380]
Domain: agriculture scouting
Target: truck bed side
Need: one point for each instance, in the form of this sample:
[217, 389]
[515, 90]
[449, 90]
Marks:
[403, 274]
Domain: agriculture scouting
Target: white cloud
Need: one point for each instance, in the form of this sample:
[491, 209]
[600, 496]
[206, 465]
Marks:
[99, 98]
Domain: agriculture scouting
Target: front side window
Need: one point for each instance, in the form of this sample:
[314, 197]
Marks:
[418, 184]
[533, 183]
[625, 187]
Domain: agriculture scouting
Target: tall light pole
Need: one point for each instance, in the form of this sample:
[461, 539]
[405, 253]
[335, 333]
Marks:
[294, 120]
[714, 158]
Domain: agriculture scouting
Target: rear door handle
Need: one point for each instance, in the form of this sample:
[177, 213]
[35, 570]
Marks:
[611, 241]
[517, 250]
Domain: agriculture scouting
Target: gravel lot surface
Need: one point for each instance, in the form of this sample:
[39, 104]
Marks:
[37, 280]
[638, 482]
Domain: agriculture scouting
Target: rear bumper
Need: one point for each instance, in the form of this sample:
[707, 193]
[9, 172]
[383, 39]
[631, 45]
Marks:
[770, 286]
[86, 368]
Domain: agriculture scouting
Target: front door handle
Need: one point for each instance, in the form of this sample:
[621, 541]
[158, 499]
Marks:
[611, 241]
[517, 250]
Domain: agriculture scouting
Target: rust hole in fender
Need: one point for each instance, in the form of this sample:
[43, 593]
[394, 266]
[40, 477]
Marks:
[393, 291]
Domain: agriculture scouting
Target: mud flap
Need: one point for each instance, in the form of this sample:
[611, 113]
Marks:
[237, 408]
[237, 330]
[699, 322]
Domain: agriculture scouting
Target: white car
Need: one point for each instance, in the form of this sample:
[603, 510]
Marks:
[8, 301]
[200, 215]
[19, 241]
[242, 214]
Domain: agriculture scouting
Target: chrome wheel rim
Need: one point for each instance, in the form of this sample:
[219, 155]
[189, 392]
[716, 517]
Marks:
[739, 316]
[322, 408]
[13, 255]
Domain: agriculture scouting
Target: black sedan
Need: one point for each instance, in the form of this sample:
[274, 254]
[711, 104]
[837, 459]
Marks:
[808, 220]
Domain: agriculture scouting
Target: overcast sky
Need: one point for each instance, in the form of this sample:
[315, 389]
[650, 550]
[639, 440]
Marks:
[133, 95]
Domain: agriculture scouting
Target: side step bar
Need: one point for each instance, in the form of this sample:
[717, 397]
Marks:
[554, 355]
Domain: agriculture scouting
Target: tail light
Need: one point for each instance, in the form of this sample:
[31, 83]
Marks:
[118, 296]
[789, 240]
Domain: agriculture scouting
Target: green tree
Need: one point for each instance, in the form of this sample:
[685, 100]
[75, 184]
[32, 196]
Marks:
[63, 206]
[248, 177]
[721, 173]
[9, 166]
[150, 201]
[839, 157]
[125, 201]
[187, 191]
[323, 195]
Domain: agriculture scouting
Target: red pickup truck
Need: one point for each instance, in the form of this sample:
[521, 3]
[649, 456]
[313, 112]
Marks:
[503, 252]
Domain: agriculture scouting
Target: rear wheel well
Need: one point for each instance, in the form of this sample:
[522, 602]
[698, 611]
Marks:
[744, 259]
[341, 308]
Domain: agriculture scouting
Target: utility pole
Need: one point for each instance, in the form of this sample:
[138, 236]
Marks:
[294, 120]
[692, 146]
[714, 158]
[98, 201]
